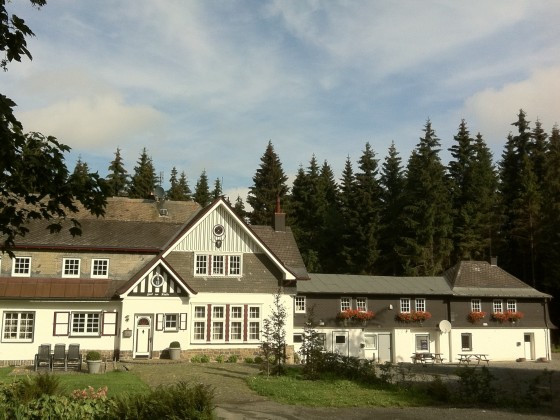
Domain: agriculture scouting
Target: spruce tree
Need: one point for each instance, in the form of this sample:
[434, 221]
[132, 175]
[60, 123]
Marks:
[269, 182]
[201, 191]
[80, 175]
[144, 178]
[117, 179]
[350, 219]
[239, 208]
[392, 184]
[184, 187]
[217, 192]
[426, 242]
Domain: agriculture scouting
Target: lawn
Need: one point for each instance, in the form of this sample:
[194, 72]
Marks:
[333, 393]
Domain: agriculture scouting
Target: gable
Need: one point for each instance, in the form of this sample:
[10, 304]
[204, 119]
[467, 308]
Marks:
[160, 281]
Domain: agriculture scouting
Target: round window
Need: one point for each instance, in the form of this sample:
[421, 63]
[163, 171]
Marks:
[218, 230]
[157, 280]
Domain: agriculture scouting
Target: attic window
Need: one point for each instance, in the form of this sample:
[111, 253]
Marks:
[163, 212]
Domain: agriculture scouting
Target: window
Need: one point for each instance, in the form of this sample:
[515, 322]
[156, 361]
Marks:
[370, 341]
[361, 304]
[235, 265]
[512, 305]
[298, 338]
[422, 342]
[200, 312]
[476, 306]
[235, 331]
[100, 268]
[322, 340]
[254, 312]
[405, 305]
[171, 322]
[201, 265]
[254, 330]
[218, 265]
[300, 304]
[420, 304]
[466, 341]
[199, 330]
[236, 323]
[18, 326]
[340, 339]
[345, 304]
[71, 267]
[218, 314]
[21, 267]
[497, 306]
[86, 323]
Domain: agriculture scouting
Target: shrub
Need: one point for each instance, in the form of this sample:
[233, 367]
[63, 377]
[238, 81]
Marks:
[476, 386]
[220, 358]
[28, 389]
[89, 393]
[175, 345]
[196, 359]
[233, 358]
[249, 360]
[93, 355]
[204, 359]
[258, 360]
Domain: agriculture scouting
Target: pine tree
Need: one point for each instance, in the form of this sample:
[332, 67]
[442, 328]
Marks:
[269, 182]
[426, 213]
[537, 152]
[367, 203]
[144, 178]
[184, 186]
[80, 175]
[348, 263]
[392, 185]
[239, 208]
[117, 179]
[201, 190]
[217, 192]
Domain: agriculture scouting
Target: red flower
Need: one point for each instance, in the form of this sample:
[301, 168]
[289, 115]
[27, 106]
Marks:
[413, 316]
[500, 316]
[476, 316]
[356, 315]
[514, 315]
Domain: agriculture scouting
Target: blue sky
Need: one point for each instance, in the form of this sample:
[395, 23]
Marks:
[206, 84]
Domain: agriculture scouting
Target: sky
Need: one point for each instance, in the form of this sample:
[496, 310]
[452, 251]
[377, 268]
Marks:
[204, 85]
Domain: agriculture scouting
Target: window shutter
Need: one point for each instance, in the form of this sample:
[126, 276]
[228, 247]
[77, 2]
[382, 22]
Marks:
[159, 322]
[109, 326]
[183, 323]
[61, 323]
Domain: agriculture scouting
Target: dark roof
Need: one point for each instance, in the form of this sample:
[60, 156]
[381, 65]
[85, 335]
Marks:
[283, 245]
[481, 274]
[342, 284]
[56, 288]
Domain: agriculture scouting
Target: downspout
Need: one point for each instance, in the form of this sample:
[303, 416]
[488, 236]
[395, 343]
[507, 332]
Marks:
[547, 329]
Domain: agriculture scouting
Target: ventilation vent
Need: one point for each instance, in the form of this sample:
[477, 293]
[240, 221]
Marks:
[163, 212]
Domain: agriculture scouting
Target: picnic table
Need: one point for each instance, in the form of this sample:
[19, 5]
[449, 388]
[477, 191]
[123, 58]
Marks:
[426, 358]
[467, 358]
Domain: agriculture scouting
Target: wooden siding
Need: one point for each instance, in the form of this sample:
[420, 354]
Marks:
[202, 238]
[169, 287]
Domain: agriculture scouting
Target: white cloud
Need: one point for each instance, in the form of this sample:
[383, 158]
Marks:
[492, 111]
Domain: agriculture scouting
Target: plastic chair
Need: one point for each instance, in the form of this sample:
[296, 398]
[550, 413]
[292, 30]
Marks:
[74, 358]
[59, 356]
[43, 356]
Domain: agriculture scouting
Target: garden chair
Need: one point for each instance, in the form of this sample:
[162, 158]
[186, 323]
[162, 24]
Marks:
[74, 358]
[59, 356]
[43, 356]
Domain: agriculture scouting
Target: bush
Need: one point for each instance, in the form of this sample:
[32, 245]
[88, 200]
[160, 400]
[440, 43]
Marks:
[258, 360]
[249, 360]
[175, 345]
[204, 359]
[476, 386]
[232, 359]
[220, 358]
[28, 389]
[93, 355]
[195, 359]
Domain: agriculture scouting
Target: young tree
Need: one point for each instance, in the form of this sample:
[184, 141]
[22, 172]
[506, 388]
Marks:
[174, 192]
[426, 243]
[80, 175]
[32, 167]
[201, 190]
[184, 187]
[217, 192]
[273, 344]
[144, 178]
[392, 185]
[269, 182]
[117, 179]
[311, 350]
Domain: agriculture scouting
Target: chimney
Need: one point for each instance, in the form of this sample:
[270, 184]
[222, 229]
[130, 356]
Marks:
[494, 261]
[279, 219]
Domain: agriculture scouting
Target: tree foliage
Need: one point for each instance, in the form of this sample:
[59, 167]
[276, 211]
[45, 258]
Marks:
[144, 178]
[117, 178]
[202, 191]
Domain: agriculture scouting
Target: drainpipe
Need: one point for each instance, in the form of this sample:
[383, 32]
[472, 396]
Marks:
[547, 330]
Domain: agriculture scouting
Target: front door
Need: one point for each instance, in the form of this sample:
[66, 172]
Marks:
[384, 345]
[370, 346]
[143, 336]
[340, 342]
[528, 346]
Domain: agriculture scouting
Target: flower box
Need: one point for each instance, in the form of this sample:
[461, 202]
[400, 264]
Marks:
[355, 315]
[417, 316]
[475, 316]
[514, 315]
[499, 316]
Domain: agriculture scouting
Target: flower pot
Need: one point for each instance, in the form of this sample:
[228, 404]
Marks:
[175, 354]
[94, 366]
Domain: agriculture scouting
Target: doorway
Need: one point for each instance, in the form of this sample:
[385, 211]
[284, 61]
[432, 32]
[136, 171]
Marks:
[384, 345]
[340, 342]
[529, 345]
[143, 336]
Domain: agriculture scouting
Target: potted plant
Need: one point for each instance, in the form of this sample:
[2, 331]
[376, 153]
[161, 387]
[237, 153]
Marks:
[475, 316]
[499, 316]
[513, 316]
[344, 316]
[175, 350]
[93, 359]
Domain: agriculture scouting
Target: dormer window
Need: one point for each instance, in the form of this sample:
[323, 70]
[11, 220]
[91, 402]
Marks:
[21, 267]
[218, 265]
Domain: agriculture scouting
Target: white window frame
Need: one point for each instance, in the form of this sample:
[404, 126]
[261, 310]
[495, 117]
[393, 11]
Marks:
[254, 323]
[470, 346]
[420, 305]
[511, 305]
[476, 305]
[207, 265]
[237, 310]
[70, 261]
[94, 267]
[218, 321]
[361, 304]
[201, 265]
[219, 265]
[88, 315]
[345, 304]
[420, 337]
[171, 322]
[300, 304]
[235, 262]
[373, 338]
[497, 305]
[405, 305]
[20, 324]
[200, 320]
[17, 269]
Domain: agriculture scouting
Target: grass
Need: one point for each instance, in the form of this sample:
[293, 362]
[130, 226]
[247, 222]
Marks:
[4, 372]
[333, 393]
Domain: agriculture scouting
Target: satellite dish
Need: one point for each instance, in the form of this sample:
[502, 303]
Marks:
[445, 326]
[159, 193]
